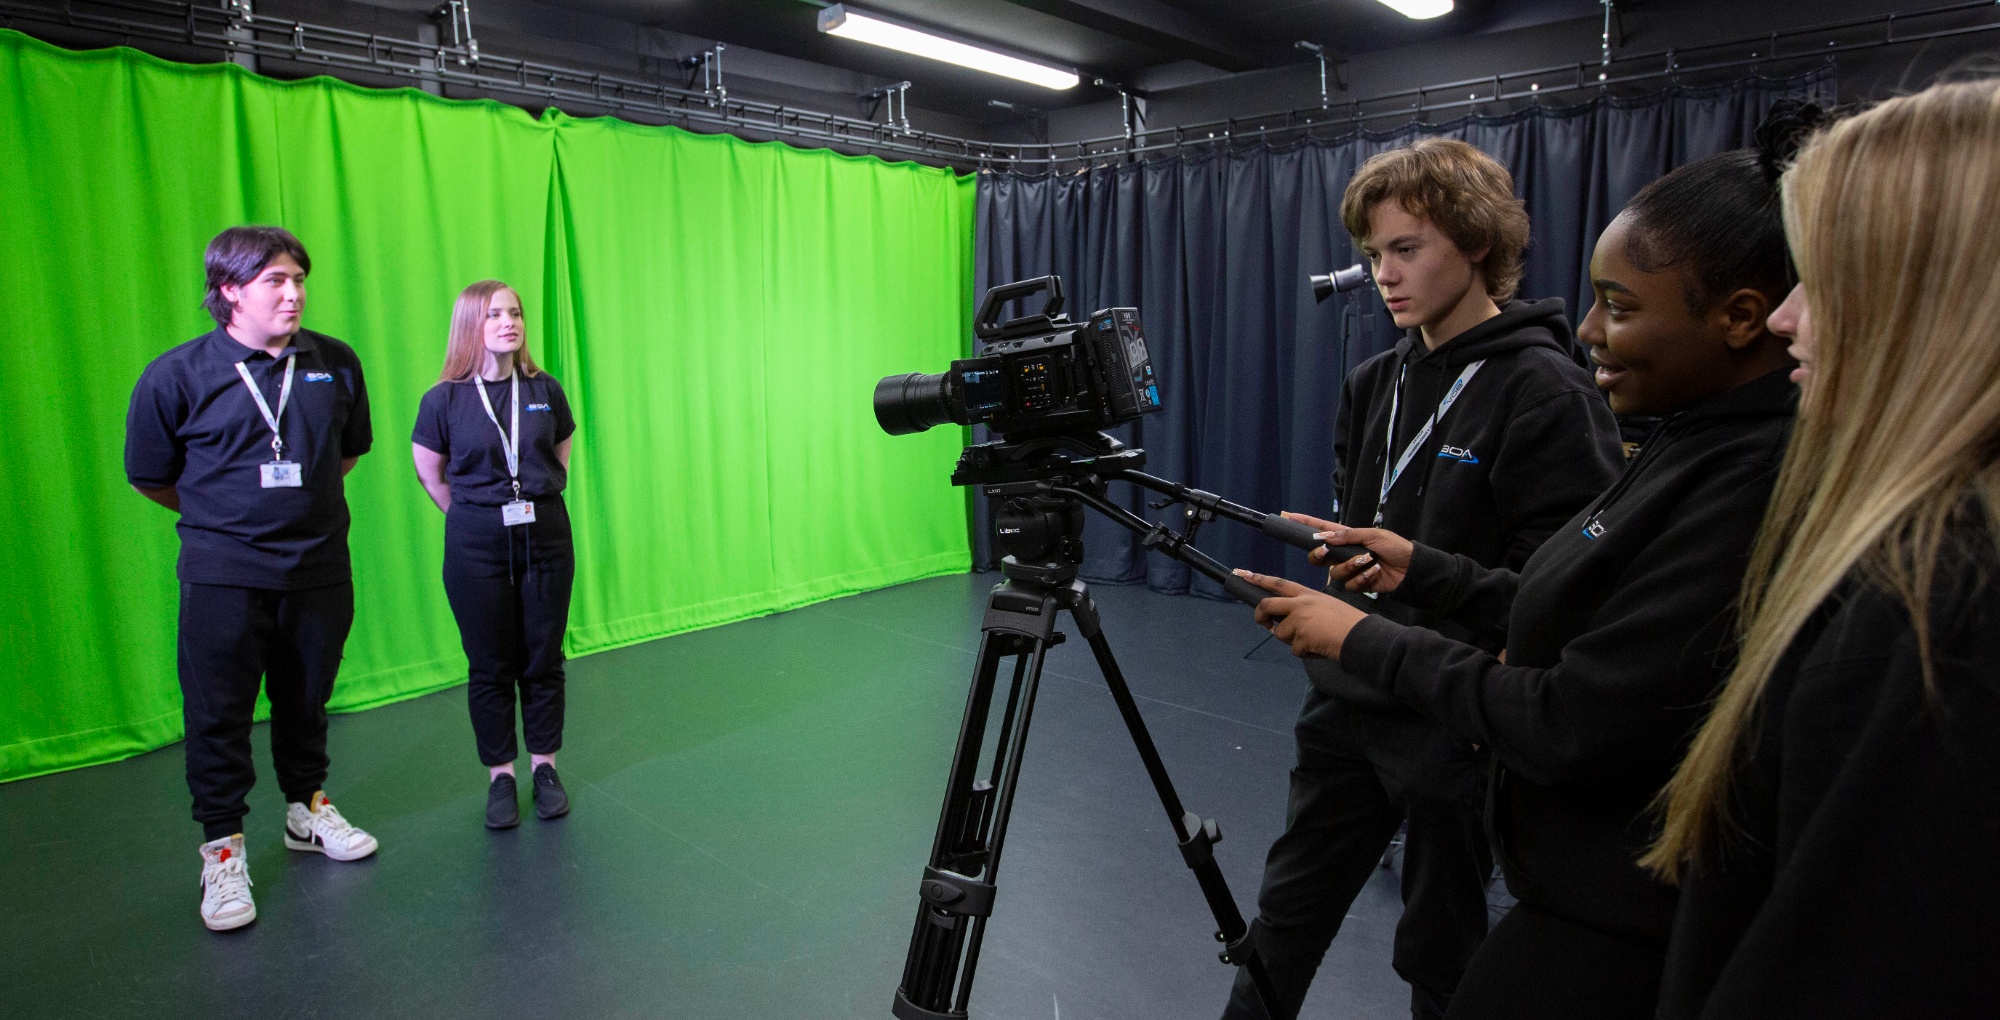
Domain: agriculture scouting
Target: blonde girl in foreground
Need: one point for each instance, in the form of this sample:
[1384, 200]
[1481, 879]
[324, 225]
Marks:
[1836, 824]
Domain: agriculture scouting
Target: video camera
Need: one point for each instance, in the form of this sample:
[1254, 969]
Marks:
[1049, 387]
[1037, 375]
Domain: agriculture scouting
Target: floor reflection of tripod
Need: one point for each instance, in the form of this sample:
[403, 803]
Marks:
[1041, 490]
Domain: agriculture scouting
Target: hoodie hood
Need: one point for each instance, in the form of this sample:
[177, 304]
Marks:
[1520, 325]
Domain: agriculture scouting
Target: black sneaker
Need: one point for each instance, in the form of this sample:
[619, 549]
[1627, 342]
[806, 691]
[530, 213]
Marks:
[550, 800]
[502, 808]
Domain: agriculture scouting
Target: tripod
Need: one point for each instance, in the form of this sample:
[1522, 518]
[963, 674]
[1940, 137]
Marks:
[1040, 525]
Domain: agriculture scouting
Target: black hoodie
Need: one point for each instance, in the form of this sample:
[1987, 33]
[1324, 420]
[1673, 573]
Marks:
[1861, 876]
[1527, 443]
[1617, 632]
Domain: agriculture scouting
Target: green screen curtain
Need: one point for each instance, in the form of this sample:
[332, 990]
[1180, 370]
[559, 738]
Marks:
[716, 309]
[752, 319]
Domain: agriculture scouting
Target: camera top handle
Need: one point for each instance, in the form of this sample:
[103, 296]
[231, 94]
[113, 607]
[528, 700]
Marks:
[986, 325]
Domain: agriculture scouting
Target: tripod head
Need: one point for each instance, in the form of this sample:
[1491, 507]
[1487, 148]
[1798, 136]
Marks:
[1037, 518]
[1041, 485]
[1041, 535]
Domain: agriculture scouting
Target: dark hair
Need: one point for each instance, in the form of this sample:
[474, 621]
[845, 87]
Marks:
[1466, 193]
[237, 255]
[1721, 218]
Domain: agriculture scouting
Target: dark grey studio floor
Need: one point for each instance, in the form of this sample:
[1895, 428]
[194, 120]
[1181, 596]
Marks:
[753, 806]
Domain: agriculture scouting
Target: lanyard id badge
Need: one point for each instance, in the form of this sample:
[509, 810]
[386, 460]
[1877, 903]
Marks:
[279, 473]
[1416, 441]
[520, 511]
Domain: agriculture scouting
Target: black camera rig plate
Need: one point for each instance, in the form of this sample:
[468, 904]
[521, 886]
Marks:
[1050, 458]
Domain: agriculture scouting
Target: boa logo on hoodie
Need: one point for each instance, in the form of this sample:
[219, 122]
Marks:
[1459, 454]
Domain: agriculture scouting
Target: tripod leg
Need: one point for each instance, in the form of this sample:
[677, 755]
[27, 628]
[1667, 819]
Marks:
[1197, 838]
[958, 889]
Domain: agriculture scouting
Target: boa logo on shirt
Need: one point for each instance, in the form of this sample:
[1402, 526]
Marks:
[1459, 454]
[319, 376]
[536, 407]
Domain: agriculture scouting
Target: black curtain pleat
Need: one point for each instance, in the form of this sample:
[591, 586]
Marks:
[1214, 250]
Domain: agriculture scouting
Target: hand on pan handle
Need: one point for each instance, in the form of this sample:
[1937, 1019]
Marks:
[1382, 570]
[1314, 624]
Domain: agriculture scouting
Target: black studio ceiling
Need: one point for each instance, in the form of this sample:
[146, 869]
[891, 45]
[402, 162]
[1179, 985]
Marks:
[1117, 40]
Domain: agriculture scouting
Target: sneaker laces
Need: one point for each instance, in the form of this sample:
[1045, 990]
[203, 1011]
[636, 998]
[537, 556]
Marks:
[330, 825]
[228, 881]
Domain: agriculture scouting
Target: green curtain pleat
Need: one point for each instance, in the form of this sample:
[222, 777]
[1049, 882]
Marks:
[717, 311]
[729, 463]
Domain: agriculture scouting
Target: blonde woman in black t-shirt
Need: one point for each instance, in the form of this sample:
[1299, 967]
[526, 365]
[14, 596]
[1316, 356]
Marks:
[492, 446]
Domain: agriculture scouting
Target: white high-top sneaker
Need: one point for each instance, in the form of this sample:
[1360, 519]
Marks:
[321, 829]
[225, 885]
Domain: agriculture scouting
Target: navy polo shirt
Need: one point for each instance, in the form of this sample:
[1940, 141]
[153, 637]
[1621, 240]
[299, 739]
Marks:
[452, 422]
[194, 427]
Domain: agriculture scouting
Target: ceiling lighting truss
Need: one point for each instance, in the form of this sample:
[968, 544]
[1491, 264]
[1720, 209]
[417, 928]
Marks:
[226, 27]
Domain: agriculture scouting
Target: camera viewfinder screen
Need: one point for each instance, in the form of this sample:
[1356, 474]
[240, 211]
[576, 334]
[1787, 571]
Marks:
[984, 390]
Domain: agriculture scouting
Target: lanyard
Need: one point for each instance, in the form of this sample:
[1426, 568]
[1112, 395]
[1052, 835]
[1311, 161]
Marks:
[284, 397]
[1416, 441]
[511, 447]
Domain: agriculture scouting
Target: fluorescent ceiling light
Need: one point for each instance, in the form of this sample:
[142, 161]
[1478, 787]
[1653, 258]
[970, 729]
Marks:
[1419, 9]
[846, 23]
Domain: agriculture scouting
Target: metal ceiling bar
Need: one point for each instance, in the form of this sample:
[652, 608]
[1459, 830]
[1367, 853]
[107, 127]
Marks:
[217, 25]
[1671, 67]
[335, 48]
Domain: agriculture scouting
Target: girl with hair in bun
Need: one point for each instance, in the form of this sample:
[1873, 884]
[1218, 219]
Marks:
[1618, 629]
[1836, 824]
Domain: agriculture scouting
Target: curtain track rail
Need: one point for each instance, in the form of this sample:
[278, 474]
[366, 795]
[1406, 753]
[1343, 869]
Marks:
[223, 28]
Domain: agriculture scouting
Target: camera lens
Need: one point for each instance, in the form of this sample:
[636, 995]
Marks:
[912, 403]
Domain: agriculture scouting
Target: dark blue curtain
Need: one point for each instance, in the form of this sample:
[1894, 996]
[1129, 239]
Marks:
[1214, 250]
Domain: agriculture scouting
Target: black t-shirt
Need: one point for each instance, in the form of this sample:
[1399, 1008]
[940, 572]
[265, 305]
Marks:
[451, 421]
[194, 427]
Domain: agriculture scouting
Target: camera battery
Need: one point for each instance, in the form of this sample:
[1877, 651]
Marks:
[1126, 363]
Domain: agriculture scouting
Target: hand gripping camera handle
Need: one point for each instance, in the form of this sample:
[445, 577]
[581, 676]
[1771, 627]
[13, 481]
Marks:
[1293, 533]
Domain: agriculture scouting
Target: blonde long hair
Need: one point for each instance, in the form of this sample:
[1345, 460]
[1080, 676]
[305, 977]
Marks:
[1892, 218]
[465, 347]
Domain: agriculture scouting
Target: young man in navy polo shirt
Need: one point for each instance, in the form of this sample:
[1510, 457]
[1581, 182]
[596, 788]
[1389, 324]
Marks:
[246, 432]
